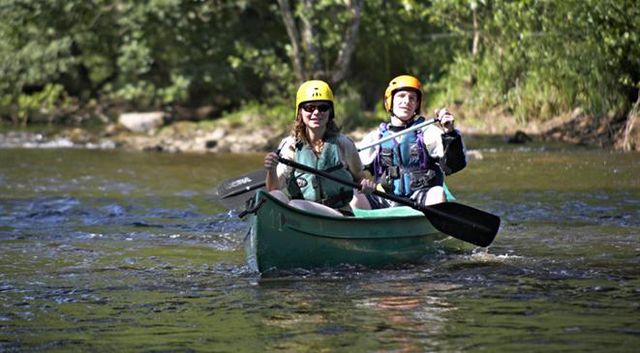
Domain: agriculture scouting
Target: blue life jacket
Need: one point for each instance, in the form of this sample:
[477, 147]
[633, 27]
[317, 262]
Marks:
[308, 186]
[405, 167]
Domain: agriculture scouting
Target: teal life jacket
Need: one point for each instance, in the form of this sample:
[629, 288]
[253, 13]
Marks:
[405, 167]
[303, 185]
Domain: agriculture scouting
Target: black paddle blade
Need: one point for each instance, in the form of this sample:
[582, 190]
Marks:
[234, 192]
[463, 222]
[457, 220]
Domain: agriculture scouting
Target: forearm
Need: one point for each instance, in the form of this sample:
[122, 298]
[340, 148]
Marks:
[271, 165]
[271, 180]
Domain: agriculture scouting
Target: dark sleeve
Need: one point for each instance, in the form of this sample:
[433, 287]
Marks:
[454, 159]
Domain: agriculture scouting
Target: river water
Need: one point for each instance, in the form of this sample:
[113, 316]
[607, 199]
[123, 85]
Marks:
[113, 251]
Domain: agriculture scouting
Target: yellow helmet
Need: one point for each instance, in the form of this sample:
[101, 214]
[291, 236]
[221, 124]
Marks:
[402, 82]
[314, 90]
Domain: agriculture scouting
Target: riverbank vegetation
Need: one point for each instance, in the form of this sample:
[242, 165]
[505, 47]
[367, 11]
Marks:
[71, 61]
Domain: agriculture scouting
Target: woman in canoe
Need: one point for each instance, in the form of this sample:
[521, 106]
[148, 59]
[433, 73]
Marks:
[414, 164]
[316, 141]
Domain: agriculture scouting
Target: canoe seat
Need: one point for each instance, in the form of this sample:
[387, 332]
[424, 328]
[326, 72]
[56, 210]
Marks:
[400, 211]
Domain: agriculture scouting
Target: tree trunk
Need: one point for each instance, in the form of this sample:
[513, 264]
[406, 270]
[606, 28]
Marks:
[306, 52]
[310, 40]
[294, 37]
[476, 43]
[349, 43]
[631, 134]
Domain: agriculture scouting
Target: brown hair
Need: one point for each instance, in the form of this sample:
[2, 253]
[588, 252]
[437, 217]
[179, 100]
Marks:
[298, 131]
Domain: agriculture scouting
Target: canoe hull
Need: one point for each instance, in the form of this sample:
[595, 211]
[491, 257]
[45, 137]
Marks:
[281, 237]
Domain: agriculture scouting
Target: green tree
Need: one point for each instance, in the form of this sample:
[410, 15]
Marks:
[536, 58]
[540, 58]
[142, 54]
[324, 30]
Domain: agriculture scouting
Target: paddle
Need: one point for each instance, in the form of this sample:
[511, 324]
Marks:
[457, 220]
[399, 133]
[234, 192]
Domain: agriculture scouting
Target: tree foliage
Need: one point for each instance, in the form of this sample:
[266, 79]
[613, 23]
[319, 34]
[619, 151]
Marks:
[544, 57]
[537, 58]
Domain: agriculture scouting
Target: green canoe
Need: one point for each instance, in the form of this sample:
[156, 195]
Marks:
[281, 237]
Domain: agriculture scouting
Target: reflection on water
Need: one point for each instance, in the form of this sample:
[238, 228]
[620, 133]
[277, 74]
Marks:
[130, 252]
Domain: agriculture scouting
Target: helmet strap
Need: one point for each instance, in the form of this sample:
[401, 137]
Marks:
[408, 122]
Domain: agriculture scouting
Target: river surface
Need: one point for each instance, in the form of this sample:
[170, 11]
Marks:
[114, 251]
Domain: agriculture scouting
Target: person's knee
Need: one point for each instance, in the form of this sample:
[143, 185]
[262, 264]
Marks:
[301, 204]
[435, 195]
[360, 201]
[314, 207]
[281, 196]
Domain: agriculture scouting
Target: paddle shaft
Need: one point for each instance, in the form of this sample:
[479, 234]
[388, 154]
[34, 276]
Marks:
[399, 133]
[398, 199]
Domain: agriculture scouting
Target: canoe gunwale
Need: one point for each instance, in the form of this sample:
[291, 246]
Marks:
[265, 196]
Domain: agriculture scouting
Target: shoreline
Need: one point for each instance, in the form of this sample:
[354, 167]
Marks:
[221, 137]
[197, 141]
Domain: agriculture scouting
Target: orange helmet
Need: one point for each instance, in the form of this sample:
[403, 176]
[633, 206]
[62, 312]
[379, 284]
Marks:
[402, 82]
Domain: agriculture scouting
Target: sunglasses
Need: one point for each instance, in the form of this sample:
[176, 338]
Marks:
[311, 107]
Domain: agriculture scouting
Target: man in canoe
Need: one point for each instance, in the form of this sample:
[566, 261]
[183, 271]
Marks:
[316, 141]
[413, 164]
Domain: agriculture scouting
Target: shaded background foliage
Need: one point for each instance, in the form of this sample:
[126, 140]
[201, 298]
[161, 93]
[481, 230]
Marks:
[65, 60]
